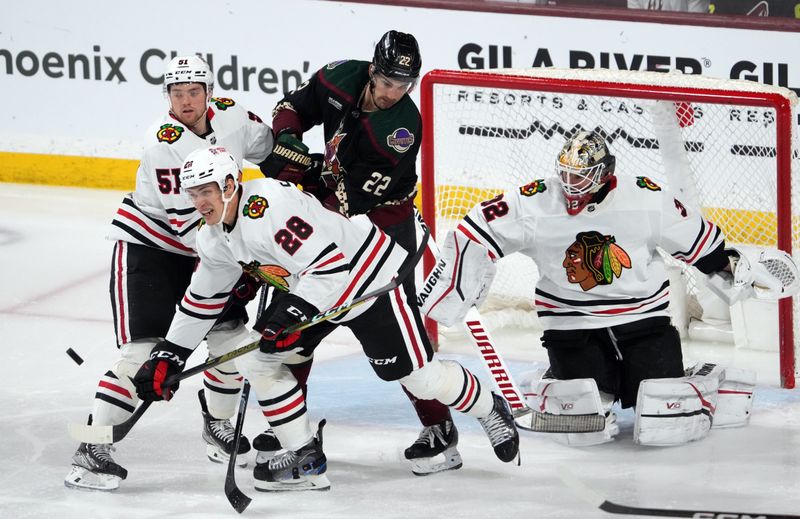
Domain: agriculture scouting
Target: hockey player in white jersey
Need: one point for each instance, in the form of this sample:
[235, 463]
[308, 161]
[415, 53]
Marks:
[603, 291]
[321, 259]
[153, 260]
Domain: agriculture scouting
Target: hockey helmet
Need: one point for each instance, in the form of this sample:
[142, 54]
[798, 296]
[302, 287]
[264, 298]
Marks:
[188, 69]
[397, 56]
[207, 165]
[583, 165]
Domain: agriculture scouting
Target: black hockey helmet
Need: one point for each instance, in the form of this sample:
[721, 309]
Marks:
[397, 56]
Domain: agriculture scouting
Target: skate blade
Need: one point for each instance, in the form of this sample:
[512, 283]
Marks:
[263, 457]
[319, 482]
[217, 455]
[84, 479]
[450, 459]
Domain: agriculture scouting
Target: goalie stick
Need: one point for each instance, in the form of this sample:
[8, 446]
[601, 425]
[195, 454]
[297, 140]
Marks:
[596, 499]
[238, 500]
[114, 433]
[504, 383]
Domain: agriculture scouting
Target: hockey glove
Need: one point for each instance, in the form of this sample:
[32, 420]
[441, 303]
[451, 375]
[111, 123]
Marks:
[283, 312]
[288, 161]
[246, 289]
[166, 359]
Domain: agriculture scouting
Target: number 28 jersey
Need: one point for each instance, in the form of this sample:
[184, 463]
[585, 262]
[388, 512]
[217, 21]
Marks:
[157, 213]
[286, 237]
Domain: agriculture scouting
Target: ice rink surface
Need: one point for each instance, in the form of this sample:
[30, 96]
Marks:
[54, 264]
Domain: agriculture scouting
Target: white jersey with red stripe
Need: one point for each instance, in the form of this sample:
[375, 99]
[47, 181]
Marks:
[157, 213]
[287, 236]
[598, 268]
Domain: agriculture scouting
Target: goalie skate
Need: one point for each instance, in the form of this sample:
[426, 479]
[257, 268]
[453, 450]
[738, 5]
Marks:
[500, 428]
[303, 469]
[94, 469]
[219, 436]
[435, 450]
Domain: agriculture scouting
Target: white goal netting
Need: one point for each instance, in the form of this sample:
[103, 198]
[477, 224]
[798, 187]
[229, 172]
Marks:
[727, 146]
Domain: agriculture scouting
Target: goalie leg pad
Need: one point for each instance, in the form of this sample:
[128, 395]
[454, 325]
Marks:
[576, 397]
[674, 411]
[735, 398]
[461, 279]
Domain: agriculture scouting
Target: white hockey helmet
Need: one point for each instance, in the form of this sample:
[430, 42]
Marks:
[188, 69]
[206, 165]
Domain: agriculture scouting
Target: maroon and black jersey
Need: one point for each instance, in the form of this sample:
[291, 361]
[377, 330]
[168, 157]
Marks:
[372, 155]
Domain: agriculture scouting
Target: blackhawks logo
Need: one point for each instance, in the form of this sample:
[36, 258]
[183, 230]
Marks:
[169, 133]
[646, 183]
[594, 259]
[255, 207]
[273, 274]
[222, 103]
[531, 188]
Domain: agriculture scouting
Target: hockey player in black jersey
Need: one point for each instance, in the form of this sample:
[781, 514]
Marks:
[372, 131]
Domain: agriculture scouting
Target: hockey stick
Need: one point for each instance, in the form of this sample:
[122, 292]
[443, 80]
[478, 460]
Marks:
[114, 433]
[504, 383]
[238, 500]
[596, 499]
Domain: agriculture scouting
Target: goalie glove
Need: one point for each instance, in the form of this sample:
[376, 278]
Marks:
[766, 274]
[460, 280]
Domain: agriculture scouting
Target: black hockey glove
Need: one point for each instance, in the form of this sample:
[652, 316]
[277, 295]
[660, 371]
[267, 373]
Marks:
[166, 359]
[246, 289]
[288, 161]
[283, 312]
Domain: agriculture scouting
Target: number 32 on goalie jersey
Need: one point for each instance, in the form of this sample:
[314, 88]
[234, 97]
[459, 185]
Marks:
[494, 208]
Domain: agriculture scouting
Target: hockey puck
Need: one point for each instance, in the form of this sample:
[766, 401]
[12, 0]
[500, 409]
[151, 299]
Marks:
[74, 356]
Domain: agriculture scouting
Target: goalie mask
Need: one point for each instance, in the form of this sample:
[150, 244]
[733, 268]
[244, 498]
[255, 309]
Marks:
[397, 57]
[208, 165]
[583, 165]
[189, 69]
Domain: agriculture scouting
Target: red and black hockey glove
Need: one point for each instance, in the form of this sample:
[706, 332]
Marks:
[289, 159]
[284, 311]
[166, 359]
[246, 289]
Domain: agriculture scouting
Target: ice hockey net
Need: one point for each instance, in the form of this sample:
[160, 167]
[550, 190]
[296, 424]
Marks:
[729, 146]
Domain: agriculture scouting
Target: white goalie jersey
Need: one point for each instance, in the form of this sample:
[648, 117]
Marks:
[598, 268]
[286, 237]
[157, 213]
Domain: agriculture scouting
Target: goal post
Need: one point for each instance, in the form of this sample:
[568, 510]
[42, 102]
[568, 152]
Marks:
[728, 144]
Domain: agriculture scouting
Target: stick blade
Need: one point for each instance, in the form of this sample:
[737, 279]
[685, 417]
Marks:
[91, 433]
[238, 500]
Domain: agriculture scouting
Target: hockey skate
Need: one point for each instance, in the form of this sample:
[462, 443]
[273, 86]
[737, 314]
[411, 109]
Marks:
[93, 468]
[501, 430]
[219, 436]
[303, 469]
[266, 445]
[435, 450]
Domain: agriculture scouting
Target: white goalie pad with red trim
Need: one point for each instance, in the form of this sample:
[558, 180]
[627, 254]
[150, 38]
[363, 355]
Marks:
[674, 411]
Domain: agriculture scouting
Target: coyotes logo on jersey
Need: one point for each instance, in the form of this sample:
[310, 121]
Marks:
[255, 207]
[594, 259]
[331, 150]
[169, 133]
